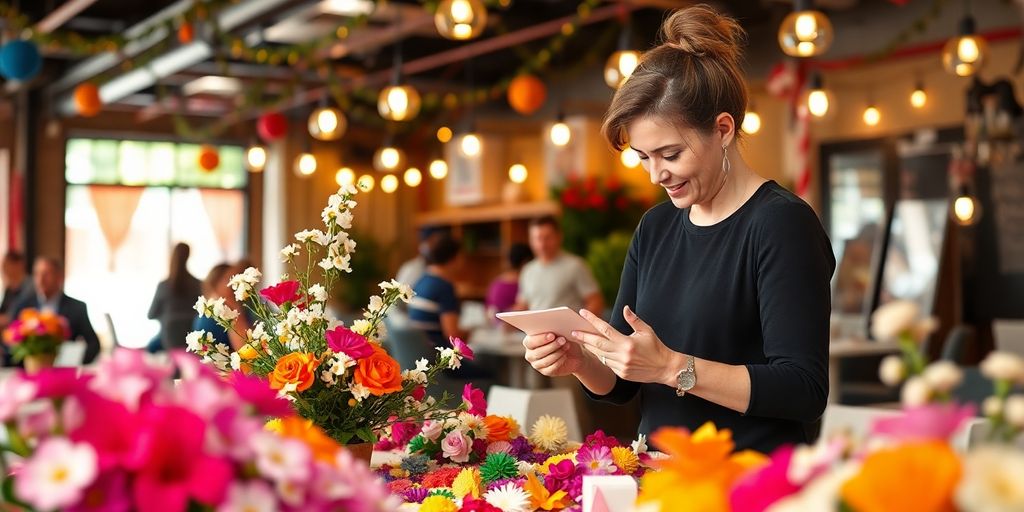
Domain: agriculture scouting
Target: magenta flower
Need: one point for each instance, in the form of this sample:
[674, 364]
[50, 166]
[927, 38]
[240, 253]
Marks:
[925, 423]
[285, 291]
[109, 493]
[474, 399]
[758, 490]
[256, 392]
[171, 467]
[599, 438]
[461, 347]
[419, 392]
[345, 341]
[562, 470]
[402, 432]
[595, 460]
[57, 382]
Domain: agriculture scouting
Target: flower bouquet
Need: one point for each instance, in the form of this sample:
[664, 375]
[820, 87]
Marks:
[127, 438]
[339, 377]
[35, 337]
[592, 208]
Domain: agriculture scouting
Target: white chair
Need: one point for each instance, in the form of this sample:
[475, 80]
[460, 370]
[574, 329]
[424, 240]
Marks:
[526, 406]
[70, 354]
[856, 422]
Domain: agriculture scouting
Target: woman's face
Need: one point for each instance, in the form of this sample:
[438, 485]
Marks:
[687, 163]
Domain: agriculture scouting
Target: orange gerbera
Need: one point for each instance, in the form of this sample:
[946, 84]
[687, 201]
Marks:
[323, 448]
[881, 484]
[379, 373]
[297, 368]
[500, 428]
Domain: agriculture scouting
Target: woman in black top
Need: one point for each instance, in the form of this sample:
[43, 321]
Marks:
[173, 300]
[724, 296]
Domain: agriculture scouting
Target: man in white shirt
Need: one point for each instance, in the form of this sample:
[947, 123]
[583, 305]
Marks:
[555, 277]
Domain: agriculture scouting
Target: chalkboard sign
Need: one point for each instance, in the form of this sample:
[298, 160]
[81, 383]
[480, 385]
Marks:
[1008, 204]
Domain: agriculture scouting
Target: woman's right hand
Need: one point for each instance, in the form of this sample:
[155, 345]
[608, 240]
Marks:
[553, 356]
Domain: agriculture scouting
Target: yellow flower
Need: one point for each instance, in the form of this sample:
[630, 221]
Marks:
[555, 459]
[625, 459]
[932, 466]
[399, 473]
[438, 504]
[467, 483]
[549, 433]
[274, 425]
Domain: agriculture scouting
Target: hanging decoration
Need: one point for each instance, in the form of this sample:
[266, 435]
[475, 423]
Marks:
[918, 98]
[389, 183]
[20, 60]
[460, 19]
[412, 177]
[388, 158]
[345, 176]
[327, 123]
[805, 32]
[560, 133]
[398, 101]
[186, 34]
[87, 99]
[619, 66]
[256, 158]
[526, 94]
[272, 126]
[965, 54]
[209, 158]
[305, 164]
[751, 121]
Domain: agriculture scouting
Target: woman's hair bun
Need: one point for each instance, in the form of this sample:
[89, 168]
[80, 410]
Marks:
[703, 31]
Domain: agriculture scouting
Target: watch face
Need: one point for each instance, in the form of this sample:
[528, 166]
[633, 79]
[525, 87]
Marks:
[686, 380]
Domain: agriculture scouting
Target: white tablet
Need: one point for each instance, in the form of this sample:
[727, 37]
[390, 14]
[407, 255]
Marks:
[561, 321]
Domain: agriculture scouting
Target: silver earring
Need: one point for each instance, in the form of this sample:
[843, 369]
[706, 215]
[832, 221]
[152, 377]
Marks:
[726, 164]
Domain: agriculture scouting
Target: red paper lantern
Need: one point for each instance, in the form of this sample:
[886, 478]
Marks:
[87, 99]
[186, 33]
[208, 158]
[526, 94]
[272, 126]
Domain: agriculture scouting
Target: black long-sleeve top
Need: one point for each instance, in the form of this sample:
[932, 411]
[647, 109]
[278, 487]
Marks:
[750, 290]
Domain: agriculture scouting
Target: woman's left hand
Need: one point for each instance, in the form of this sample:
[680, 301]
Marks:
[638, 357]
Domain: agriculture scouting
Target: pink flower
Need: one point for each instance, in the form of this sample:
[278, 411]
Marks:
[350, 343]
[562, 470]
[402, 432]
[171, 467]
[15, 392]
[109, 493]
[759, 489]
[499, 447]
[55, 476]
[432, 429]
[456, 446]
[927, 422]
[474, 399]
[461, 347]
[114, 437]
[254, 496]
[256, 392]
[599, 438]
[38, 423]
[282, 459]
[595, 460]
[56, 382]
[285, 291]
[128, 377]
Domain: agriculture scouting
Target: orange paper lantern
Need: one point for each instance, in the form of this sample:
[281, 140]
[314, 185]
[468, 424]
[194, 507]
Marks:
[208, 158]
[87, 99]
[186, 33]
[526, 94]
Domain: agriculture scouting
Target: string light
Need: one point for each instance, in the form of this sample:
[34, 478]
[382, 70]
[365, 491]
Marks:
[327, 123]
[964, 54]
[413, 177]
[872, 116]
[460, 19]
[966, 210]
[444, 134]
[365, 183]
[470, 145]
[918, 98]
[517, 173]
[389, 183]
[388, 158]
[256, 158]
[751, 122]
[345, 176]
[305, 165]
[398, 102]
[438, 169]
[560, 133]
[629, 158]
[620, 66]
[817, 98]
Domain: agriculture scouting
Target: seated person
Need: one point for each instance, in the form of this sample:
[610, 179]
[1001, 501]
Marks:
[16, 284]
[215, 286]
[48, 278]
[501, 295]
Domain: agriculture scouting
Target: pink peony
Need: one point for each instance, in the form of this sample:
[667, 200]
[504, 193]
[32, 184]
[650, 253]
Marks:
[461, 347]
[474, 400]
[285, 291]
[456, 446]
[345, 341]
[925, 423]
[256, 392]
[759, 489]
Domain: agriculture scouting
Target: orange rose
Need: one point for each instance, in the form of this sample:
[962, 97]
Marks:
[379, 373]
[297, 368]
[500, 428]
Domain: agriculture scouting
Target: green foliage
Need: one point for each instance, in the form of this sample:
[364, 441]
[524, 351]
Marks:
[606, 258]
[367, 270]
[498, 466]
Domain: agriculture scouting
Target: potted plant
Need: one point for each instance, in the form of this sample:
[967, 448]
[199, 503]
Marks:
[35, 338]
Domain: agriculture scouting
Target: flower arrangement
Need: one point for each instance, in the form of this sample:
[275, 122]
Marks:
[901, 321]
[127, 438]
[36, 333]
[339, 377]
[592, 208]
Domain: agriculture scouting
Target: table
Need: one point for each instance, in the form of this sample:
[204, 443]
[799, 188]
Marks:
[852, 347]
[508, 345]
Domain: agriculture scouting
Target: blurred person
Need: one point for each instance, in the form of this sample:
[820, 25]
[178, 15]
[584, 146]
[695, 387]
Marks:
[173, 301]
[555, 277]
[412, 270]
[502, 293]
[215, 286]
[16, 284]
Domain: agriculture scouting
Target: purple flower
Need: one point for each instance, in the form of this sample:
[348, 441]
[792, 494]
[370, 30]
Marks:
[416, 494]
[350, 343]
[595, 460]
[461, 347]
[520, 447]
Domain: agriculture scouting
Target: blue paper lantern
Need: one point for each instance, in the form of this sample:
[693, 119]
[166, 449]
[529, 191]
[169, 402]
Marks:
[20, 60]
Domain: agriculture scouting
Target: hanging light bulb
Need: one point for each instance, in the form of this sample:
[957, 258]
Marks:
[398, 103]
[560, 133]
[345, 176]
[327, 123]
[751, 122]
[872, 115]
[389, 183]
[305, 165]
[388, 158]
[460, 19]
[256, 158]
[470, 145]
[413, 177]
[966, 210]
[517, 173]
[619, 66]
[444, 134]
[964, 54]
[629, 158]
[918, 98]
[805, 32]
[365, 183]
[817, 98]
[438, 169]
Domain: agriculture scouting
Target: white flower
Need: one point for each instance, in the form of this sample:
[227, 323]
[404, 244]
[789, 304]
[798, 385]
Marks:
[342, 262]
[992, 406]
[1003, 366]
[509, 498]
[640, 445]
[943, 376]
[258, 334]
[15, 392]
[916, 392]
[375, 304]
[244, 283]
[360, 392]
[313, 235]
[236, 361]
[280, 458]
[361, 326]
[318, 292]
[223, 311]
[203, 306]
[55, 476]
[291, 492]
[197, 341]
[252, 496]
[991, 481]
[289, 252]
[1013, 410]
[326, 264]
[888, 322]
[405, 292]
[454, 358]
[417, 374]
[345, 220]
[347, 190]
[892, 371]
[327, 377]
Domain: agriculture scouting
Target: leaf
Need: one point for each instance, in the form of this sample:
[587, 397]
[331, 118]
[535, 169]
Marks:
[8, 494]
[366, 434]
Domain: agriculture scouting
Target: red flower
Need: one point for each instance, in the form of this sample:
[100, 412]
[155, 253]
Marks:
[598, 202]
[286, 291]
[621, 203]
[419, 392]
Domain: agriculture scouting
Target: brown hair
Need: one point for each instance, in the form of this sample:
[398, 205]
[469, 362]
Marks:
[213, 278]
[178, 273]
[547, 220]
[690, 78]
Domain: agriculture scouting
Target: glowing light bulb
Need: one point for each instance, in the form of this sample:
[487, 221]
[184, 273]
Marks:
[389, 183]
[256, 158]
[751, 123]
[413, 177]
[365, 183]
[872, 116]
[327, 120]
[620, 66]
[630, 158]
[918, 98]
[305, 164]
[517, 173]
[345, 176]
[817, 103]
[805, 26]
[560, 134]
[444, 134]
[470, 145]
[438, 169]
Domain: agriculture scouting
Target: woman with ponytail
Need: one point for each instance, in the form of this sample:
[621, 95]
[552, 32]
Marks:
[723, 310]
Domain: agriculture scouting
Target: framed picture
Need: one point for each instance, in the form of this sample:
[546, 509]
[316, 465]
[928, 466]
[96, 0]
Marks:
[465, 183]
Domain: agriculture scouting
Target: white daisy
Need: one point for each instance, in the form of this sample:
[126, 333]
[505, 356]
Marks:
[509, 498]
